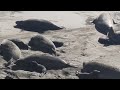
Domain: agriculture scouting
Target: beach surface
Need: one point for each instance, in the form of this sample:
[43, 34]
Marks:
[79, 36]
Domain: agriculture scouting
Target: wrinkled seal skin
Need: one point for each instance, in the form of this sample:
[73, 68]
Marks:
[39, 42]
[9, 50]
[48, 61]
[104, 23]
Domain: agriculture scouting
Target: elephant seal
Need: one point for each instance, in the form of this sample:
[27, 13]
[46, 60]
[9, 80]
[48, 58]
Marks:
[28, 66]
[36, 25]
[92, 75]
[104, 23]
[106, 71]
[39, 42]
[48, 61]
[9, 50]
[20, 43]
[91, 66]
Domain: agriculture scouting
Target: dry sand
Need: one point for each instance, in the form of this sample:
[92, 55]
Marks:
[79, 37]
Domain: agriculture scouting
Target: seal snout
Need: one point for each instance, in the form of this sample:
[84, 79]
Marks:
[18, 22]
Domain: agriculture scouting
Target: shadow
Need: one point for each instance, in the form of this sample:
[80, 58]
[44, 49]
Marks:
[20, 44]
[114, 40]
[58, 44]
[105, 42]
[44, 50]
[35, 25]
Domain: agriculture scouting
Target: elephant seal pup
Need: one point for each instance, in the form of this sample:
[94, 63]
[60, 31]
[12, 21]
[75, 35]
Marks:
[9, 50]
[36, 25]
[91, 66]
[48, 61]
[104, 23]
[106, 71]
[109, 71]
[20, 43]
[29, 66]
[39, 42]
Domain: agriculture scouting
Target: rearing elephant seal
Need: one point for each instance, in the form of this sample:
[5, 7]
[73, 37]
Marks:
[104, 23]
[39, 42]
[9, 50]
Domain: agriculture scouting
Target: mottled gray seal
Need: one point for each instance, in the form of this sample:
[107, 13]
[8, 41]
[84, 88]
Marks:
[36, 25]
[9, 50]
[106, 71]
[39, 42]
[48, 61]
[104, 23]
[19, 43]
[91, 66]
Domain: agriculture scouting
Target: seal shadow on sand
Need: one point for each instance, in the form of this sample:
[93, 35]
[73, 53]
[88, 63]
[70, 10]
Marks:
[35, 25]
[108, 42]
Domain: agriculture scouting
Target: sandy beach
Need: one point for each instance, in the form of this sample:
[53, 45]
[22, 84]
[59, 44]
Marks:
[79, 37]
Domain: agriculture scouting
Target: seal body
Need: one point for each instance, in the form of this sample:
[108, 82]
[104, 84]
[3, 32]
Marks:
[36, 25]
[39, 42]
[104, 23]
[105, 71]
[48, 61]
[9, 50]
